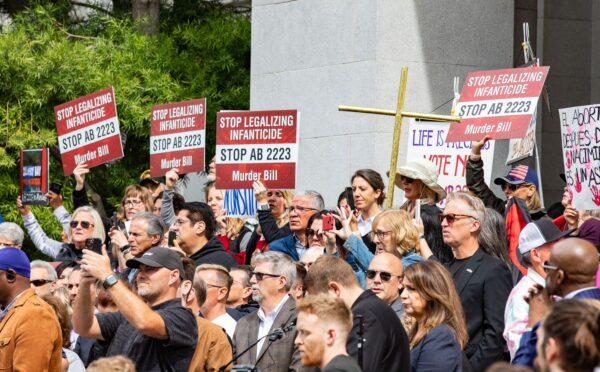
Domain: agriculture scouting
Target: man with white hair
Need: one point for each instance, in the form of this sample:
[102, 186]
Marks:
[311, 256]
[273, 276]
[303, 206]
[43, 278]
[11, 235]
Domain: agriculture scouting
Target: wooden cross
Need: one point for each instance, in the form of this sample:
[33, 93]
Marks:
[399, 115]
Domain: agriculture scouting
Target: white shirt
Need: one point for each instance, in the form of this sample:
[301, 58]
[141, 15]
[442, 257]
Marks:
[226, 322]
[364, 226]
[266, 322]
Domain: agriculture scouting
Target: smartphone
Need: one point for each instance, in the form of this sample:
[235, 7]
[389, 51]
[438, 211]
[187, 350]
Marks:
[94, 245]
[172, 237]
[328, 223]
[56, 188]
[114, 220]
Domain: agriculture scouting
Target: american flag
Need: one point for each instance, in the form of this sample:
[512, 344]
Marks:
[519, 172]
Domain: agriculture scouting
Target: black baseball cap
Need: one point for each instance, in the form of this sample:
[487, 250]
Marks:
[158, 257]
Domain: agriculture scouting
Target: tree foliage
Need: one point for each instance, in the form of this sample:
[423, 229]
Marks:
[44, 61]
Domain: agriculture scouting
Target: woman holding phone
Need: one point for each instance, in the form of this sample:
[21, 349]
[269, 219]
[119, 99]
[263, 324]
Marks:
[85, 223]
[368, 194]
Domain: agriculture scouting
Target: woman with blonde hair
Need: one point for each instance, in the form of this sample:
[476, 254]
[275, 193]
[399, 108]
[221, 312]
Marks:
[392, 231]
[85, 223]
[418, 179]
[437, 331]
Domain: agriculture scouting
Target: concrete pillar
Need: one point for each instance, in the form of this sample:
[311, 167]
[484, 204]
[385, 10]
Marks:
[314, 55]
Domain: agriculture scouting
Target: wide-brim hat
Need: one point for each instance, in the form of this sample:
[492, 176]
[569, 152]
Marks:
[423, 170]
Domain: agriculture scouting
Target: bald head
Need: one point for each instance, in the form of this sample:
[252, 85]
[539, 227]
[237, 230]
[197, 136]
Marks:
[576, 257]
[310, 256]
[384, 277]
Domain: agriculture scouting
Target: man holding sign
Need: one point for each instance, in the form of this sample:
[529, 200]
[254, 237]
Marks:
[88, 130]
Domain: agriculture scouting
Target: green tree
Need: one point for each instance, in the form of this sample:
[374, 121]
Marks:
[44, 62]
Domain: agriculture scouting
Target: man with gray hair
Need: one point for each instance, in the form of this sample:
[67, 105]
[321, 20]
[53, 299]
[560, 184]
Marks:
[146, 231]
[42, 278]
[482, 281]
[11, 235]
[304, 206]
[273, 276]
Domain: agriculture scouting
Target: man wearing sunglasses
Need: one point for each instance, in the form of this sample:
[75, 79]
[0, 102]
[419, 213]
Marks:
[43, 278]
[482, 281]
[30, 336]
[384, 278]
[304, 205]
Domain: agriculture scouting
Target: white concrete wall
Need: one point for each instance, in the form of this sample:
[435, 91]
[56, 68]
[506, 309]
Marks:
[314, 55]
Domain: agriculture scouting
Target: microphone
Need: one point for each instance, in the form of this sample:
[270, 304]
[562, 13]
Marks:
[273, 336]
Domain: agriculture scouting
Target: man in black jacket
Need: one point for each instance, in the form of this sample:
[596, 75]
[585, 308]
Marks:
[377, 340]
[482, 281]
[195, 227]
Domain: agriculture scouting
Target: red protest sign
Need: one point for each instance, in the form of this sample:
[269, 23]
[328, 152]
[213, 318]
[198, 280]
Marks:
[253, 145]
[177, 137]
[498, 103]
[88, 130]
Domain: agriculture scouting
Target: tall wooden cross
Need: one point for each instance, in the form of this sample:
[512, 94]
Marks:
[399, 114]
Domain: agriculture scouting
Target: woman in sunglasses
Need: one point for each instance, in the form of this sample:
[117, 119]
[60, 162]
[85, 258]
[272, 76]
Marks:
[85, 223]
[437, 330]
[418, 179]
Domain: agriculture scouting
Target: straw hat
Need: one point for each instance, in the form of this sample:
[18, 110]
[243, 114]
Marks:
[421, 169]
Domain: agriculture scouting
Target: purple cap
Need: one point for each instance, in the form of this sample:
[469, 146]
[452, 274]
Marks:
[519, 174]
[590, 231]
[16, 260]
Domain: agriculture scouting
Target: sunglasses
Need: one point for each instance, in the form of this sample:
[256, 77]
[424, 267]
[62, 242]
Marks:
[84, 224]
[384, 275]
[547, 267]
[311, 232]
[261, 276]
[452, 217]
[300, 209]
[407, 179]
[40, 282]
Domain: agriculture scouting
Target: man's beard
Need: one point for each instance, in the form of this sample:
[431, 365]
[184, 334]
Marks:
[257, 297]
[147, 293]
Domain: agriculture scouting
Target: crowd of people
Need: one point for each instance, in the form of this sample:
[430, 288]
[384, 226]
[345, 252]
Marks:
[168, 284]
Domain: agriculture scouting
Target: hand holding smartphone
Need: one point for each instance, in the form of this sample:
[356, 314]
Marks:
[328, 223]
[94, 245]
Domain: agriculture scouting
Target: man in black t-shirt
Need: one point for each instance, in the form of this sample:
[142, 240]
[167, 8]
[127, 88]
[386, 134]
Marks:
[377, 340]
[153, 330]
[323, 325]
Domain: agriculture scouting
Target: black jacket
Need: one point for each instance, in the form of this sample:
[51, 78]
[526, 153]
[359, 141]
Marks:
[270, 231]
[213, 253]
[483, 285]
[386, 346]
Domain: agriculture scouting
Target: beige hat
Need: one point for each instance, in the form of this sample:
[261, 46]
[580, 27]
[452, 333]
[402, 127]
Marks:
[421, 169]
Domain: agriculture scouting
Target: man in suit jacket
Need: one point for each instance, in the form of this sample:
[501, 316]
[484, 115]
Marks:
[482, 281]
[377, 340]
[272, 278]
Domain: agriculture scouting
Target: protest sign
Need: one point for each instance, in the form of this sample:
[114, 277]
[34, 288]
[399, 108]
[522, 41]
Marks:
[521, 148]
[498, 103]
[426, 139]
[33, 176]
[257, 145]
[580, 137]
[240, 203]
[177, 137]
[88, 130]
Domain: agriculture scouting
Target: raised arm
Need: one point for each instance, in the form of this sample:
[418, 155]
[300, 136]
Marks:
[41, 241]
[475, 178]
[167, 212]
[80, 198]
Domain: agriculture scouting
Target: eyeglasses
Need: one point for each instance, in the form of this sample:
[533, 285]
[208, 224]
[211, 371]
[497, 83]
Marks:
[380, 234]
[384, 275]
[261, 276]
[452, 217]
[512, 187]
[84, 224]
[214, 286]
[132, 202]
[407, 179]
[311, 232]
[40, 282]
[301, 209]
[550, 267]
